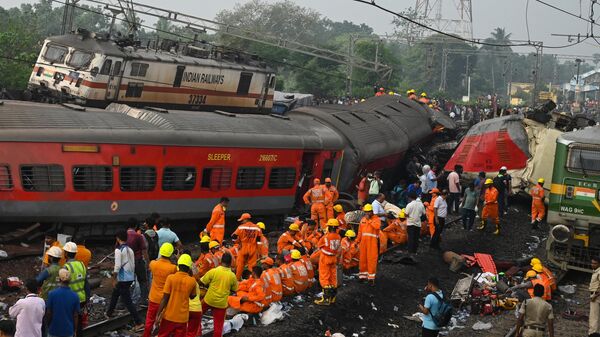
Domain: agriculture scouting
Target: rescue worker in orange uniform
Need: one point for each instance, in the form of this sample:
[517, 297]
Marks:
[253, 300]
[285, 272]
[350, 251]
[263, 244]
[272, 281]
[435, 193]
[310, 270]
[411, 94]
[368, 245]
[424, 99]
[490, 206]
[330, 246]
[317, 197]
[396, 230]
[216, 225]
[307, 235]
[299, 273]
[340, 216]
[289, 239]
[538, 209]
[536, 265]
[530, 280]
[206, 261]
[381, 92]
[334, 195]
[247, 235]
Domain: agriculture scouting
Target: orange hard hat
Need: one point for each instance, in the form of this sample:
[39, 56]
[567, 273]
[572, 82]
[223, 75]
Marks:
[327, 180]
[245, 216]
[435, 190]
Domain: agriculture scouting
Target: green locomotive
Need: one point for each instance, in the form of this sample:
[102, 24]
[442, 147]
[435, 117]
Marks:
[574, 204]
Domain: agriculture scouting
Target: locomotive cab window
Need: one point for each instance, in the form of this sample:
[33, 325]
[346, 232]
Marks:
[105, 70]
[92, 178]
[244, 84]
[80, 59]
[43, 178]
[6, 183]
[584, 159]
[178, 76]
[137, 178]
[179, 179]
[250, 178]
[216, 178]
[55, 54]
[138, 69]
[282, 177]
[116, 71]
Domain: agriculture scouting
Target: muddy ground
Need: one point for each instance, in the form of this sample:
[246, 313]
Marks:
[397, 292]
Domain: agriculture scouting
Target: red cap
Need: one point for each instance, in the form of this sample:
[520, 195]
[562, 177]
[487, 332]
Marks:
[245, 216]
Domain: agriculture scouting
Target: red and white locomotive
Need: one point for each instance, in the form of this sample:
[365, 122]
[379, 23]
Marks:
[96, 71]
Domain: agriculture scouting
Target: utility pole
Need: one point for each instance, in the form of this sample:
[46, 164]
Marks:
[349, 66]
[539, 49]
[67, 21]
[577, 88]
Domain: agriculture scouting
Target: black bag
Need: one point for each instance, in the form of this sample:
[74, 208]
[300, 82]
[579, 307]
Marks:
[444, 314]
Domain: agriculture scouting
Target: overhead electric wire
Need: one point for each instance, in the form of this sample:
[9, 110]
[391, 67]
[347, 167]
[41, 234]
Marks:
[567, 12]
[215, 45]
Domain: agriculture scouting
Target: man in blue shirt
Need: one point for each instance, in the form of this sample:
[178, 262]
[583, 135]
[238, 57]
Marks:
[415, 188]
[431, 308]
[62, 308]
[165, 234]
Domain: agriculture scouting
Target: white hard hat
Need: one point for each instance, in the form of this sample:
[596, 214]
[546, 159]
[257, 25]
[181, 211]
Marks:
[55, 252]
[70, 247]
[503, 168]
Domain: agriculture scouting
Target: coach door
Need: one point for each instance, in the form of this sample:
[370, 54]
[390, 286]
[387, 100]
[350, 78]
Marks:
[114, 78]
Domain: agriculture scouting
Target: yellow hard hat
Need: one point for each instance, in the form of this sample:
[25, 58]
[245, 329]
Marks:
[537, 268]
[185, 260]
[205, 239]
[350, 234]
[489, 181]
[535, 261]
[332, 223]
[294, 227]
[530, 274]
[261, 225]
[541, 180]
[296, 254]
[402, 214]
[362, 100]
[391, 93]
[167, 249]
[213, 244]
[338, 208]
[423, 94]
[368, 208]
[410, 91]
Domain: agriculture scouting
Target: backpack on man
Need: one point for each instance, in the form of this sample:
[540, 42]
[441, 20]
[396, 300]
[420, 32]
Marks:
[445, 311]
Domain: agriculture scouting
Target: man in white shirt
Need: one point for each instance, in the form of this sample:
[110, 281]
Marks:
[29, 312]
[454, 188]
[378, 209]
[414, 213]
[440, 211]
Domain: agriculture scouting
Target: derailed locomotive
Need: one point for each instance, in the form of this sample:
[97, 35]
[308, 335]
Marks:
[68, 164]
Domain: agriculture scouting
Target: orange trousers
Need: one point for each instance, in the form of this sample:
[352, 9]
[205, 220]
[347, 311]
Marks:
[318, 212]
[217, 234]
[367, 260]
[327, 271]
[329, 211]
[383, 242]
[490, 211]
[538, 210]
[247, 256]
[248, 307]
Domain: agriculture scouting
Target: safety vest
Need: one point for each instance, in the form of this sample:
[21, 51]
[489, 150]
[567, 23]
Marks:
[330, 244]
[310, 272]
[78, 274]
[52, 282]
[547, 289]
[537, 193]
[491, 195]
[273, 287]
[317, 194]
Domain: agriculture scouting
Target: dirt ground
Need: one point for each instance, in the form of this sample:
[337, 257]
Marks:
[362, 310]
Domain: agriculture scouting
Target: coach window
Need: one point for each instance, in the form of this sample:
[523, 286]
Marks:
[116, 71]
[244, 84]
[179, 179]
[105, 70]
[43, 178]
[6, 183]
[55, 54]
[134, 89]
[92, 178]
[250, 178]
[282, 177]
[137, 178]
[585, 160]
[216, 178]
[178, 76]
[138, 69]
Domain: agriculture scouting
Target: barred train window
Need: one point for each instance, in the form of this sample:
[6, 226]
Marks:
[6, 183]
[179, 179]
[138, 69]
[138, 178]
[584, 160]
[250, 178]
[216, 178]
[92, 178]
[43, 178]
[282, 177]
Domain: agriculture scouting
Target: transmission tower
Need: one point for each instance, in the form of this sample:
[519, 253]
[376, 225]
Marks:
[456, 19]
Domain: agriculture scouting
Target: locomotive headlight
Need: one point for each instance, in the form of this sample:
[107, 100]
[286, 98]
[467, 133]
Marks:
[560, 233]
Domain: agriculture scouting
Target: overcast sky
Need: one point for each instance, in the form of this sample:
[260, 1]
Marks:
[487, 14]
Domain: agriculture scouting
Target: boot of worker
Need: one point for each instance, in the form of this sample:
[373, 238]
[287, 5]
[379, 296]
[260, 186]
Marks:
[333, 295]
[497, 232]
[324, 300]
[535, 224]
[481, 225]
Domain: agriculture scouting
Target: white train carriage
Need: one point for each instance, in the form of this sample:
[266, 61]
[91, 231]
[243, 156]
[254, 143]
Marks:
[96, 72]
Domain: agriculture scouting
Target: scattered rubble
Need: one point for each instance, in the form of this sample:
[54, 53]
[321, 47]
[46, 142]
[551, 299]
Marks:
[479, 325]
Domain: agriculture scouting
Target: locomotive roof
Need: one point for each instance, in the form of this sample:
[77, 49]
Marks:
[120, 124]
[589, 135]
[107, 47]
